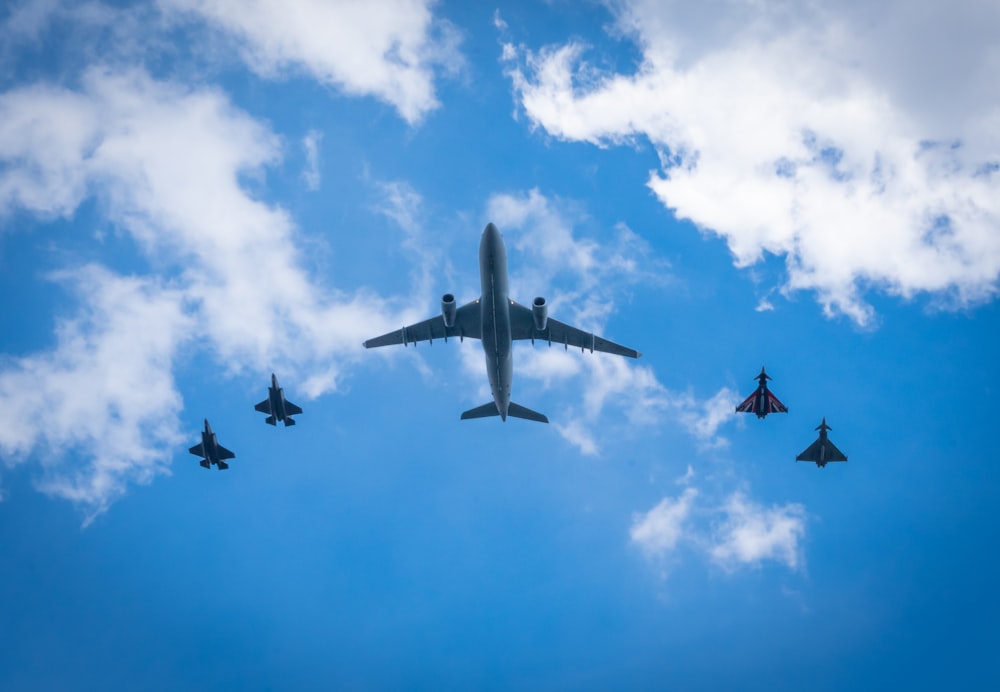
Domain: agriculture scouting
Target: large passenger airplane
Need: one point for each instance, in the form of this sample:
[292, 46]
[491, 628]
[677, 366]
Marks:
[498, 321]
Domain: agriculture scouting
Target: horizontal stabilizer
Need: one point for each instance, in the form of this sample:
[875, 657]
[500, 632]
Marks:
[484, 411]
[204, 463]
[222, 465]
[270, 420]
[518, 411]
[289, 421]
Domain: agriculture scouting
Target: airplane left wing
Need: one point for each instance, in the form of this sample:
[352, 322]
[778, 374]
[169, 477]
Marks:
[468, 324]
[522, 326]
[264, 406]
[291, 409]
[748, 404]
[225, 453]
[198, 450]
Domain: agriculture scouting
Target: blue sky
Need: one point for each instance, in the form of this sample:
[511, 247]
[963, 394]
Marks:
[196, 194]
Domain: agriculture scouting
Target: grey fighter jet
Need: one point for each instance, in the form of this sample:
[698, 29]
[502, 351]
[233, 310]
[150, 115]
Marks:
[497, 321]
[276, 406]
[211, 450]
[822, 450]
[762, 402]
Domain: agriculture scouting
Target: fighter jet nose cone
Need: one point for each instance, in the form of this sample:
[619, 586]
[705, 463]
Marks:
[491, 229]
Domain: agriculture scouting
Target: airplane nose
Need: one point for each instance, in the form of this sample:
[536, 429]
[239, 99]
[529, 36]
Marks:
[491, 229]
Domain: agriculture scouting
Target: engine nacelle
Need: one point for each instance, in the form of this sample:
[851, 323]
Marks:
[448, 309]
[540, 311]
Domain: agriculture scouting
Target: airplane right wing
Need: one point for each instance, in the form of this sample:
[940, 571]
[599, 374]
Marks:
[198, 450]
[773, 405]
[291, 409]
[468, 324]
[522, 326]
[225, 453]
[748, 404]
[264, 406]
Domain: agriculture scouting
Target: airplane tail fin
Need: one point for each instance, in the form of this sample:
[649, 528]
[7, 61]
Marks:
[518, 411]
[513, 410]
[270, 420]
[484, 411]
[289, 421]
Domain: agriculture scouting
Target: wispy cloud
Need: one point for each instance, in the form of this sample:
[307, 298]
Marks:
[810, 126]
[739, 532]
[310, 146]
[750, 533]
[659, 530]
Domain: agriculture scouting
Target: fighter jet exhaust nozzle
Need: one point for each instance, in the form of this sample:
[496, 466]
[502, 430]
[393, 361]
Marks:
[540, 311]
[448, 309]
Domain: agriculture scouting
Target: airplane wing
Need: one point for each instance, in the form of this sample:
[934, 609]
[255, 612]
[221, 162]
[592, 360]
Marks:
[773, 405]
[468, 324]
[291, 409]
[225, 453]
[522, 326]
[198, 450]
[821, 451]
[747, 405]
[834, 454]
[264, 406]
[811, 453]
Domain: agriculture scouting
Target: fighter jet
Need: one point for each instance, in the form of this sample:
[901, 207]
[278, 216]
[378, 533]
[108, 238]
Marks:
[497, 321]
[211, 450]
[822, 450]
[276, 406]
[762, 402]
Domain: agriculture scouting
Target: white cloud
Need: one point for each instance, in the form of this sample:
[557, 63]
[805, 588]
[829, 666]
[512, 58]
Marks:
[165, 163]
[750, 533]
[658, 531]
[106, 391]
[798, 130]
[737, 533]
[388, 49]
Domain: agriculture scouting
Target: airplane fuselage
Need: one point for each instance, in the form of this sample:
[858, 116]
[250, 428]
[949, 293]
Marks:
[277, 397]
[495, 307]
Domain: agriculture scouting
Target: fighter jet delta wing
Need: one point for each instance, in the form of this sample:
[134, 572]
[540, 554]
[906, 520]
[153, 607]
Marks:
[524, 326]
[467, 323]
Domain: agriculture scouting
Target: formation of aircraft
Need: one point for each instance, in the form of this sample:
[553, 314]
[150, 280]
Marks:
[497, 321]
[275, 405]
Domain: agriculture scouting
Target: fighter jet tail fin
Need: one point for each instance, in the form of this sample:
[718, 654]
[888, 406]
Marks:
[518, 411]
[270, 420]
[484, 411]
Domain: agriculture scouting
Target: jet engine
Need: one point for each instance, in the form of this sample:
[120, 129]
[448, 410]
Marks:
[540, 311]
[448, 309]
